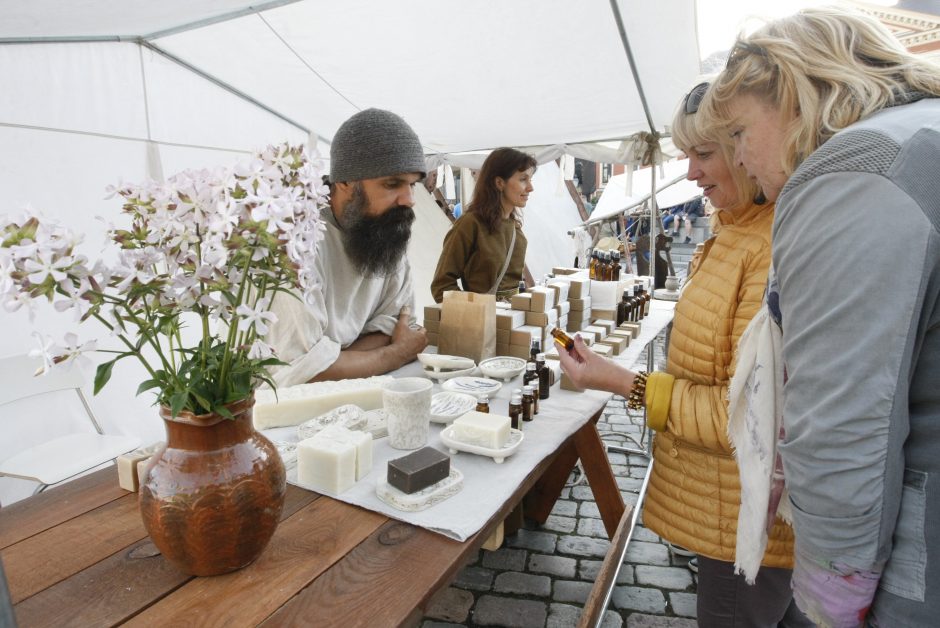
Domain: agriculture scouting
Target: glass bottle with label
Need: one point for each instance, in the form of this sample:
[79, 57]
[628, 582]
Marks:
[622, 308]
[616, 266]
[528, 403]
[515, 410]
[544, 376]
[531, 378]
[483, 404]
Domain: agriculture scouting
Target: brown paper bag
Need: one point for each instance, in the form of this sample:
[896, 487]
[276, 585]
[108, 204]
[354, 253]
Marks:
[468, 325]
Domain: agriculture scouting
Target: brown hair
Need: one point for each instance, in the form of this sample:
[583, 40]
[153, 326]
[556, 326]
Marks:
[486, 202]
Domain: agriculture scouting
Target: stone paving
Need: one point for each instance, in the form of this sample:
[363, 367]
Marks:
[541, 576]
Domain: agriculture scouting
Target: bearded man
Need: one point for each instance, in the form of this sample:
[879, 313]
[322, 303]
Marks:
[359, 323]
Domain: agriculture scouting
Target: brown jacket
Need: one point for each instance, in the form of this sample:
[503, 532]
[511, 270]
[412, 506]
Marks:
[475, 256]
[694, 490]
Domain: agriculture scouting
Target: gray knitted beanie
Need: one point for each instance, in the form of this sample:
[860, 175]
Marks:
[374, 143]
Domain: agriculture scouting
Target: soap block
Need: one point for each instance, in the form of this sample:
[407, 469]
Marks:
[362, 441]
[432, 326]
[599, 332]
[543, 299]
[617, 343]
[562, 322]
[482, 429]
[516, 351]
[580, 304]
[563, 308]
[521, 301]
[601, 349]
[588, 337]
[503, 349]
[418, 470]
[567, 270]
[326, 465]
[562, 287]
[433, 338]
[602, 314]
[502, 336]
[609, 325]
[292, 405]
[604, 294]
[432, 312]
[542, 319]
[131, 465]
[579, 288]
[633, 328]
[510, 319]
[522, 336]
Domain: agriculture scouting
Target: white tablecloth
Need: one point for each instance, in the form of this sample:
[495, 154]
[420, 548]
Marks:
[486, 484]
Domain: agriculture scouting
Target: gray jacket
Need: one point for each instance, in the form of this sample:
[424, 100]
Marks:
[856, 252]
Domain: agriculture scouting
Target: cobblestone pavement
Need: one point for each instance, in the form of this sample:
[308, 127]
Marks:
[541, 576]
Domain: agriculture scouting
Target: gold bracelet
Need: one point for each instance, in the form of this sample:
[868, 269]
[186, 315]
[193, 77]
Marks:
[637, 397]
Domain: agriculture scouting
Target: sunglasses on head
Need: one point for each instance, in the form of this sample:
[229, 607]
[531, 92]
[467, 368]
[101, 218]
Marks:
[694, 98]
[741, 49]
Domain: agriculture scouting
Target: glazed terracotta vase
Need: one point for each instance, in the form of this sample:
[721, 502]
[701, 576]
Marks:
[213, 497]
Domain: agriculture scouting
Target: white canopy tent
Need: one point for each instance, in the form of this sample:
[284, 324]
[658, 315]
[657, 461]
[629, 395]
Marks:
[625, 192]
[99, 91]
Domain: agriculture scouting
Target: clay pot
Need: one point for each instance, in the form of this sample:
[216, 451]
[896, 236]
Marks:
[213, 497]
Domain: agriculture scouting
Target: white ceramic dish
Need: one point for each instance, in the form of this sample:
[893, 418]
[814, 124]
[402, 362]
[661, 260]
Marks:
[423, 499]
[475, 386]
[503, 367]
[447, 406]
[439, 362]
[443, 375]
[498, 455]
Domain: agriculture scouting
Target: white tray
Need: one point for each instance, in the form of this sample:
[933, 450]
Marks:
[441, 375]
[423, 499]
[498, 455]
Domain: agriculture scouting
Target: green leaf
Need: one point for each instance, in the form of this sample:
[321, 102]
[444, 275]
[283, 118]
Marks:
[103, 374]
[222, 410]
[177, 402]
[148, 384]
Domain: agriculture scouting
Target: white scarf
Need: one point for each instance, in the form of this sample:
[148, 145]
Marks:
[755, 419]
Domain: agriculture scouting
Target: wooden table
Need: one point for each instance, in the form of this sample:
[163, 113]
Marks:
[78, 555]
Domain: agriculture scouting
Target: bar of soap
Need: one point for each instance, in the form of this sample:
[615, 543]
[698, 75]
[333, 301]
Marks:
[418, 470]
[362, 441]
[130, 466]
[292, 405]
[326, 465]
[482, 429]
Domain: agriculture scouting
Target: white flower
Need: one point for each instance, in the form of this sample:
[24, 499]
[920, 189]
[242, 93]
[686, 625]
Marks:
[257, 316]
[47, 265]
[73, 353]
[260, 350]
[47, 350]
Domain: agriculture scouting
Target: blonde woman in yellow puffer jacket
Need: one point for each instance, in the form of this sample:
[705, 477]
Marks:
[694, 490]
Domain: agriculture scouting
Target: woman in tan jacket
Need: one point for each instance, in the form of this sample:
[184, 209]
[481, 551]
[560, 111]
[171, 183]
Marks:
[694, 490]
[485, 248]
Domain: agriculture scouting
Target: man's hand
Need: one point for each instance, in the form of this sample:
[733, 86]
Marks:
[408, 340]
[586, 369]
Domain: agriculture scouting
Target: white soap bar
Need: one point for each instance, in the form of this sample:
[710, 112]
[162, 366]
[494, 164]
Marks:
[482, 429]
[362, 441]
[295, 404]
[326, 465]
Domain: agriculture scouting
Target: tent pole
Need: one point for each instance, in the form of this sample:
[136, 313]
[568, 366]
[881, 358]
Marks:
[636, 75]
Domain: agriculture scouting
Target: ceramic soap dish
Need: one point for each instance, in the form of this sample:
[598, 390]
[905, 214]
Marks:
[498, 455]
[423, 499]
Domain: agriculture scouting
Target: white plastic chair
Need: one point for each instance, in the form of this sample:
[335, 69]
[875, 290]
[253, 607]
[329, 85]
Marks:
[62, 457]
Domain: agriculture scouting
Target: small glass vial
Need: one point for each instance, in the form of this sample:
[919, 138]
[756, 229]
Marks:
[515, 411]
[544, 376]
[531, 379]
[483, 404]
[528, 403]
[521, 287]
[563, 339]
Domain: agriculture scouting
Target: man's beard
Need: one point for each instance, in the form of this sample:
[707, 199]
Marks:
[375, 244]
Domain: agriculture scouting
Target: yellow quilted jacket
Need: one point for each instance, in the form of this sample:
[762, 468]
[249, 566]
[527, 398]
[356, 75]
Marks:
[694, 490]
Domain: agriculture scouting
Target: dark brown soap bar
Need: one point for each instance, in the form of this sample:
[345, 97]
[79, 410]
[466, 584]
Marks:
[418, 470]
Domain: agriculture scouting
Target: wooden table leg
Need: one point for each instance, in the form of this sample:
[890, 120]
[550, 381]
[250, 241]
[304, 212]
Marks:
[600, 476]
[586, 444]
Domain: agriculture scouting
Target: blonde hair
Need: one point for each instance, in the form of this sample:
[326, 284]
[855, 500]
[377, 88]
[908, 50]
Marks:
[824, 69]
[693, 129]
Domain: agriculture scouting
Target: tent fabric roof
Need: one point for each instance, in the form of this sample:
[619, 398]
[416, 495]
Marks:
[526, 73]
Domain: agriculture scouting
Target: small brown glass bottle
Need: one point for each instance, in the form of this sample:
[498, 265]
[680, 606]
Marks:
[647, 297]
[528, 403]
[515, 410]
[622, 308]
[531, 378]
[521, 287]
[544, 376]
[483, 404]
[616, 266]
[563, 339]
